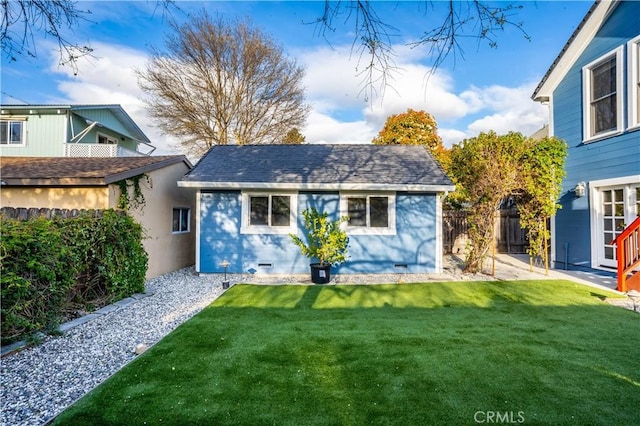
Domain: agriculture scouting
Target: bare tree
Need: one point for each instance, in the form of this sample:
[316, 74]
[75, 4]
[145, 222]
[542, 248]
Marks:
[220, 82]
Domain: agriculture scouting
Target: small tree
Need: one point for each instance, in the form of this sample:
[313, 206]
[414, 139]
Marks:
[294, 137]
[410, 128]
[325, 239]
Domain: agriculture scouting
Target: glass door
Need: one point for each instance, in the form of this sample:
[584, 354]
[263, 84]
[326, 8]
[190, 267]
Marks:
[619, 207]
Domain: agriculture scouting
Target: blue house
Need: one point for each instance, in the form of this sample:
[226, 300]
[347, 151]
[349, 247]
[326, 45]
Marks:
[593, 93]
[250, 198]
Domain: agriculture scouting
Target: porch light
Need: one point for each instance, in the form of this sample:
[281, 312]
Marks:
[225, 264]
[580, 189]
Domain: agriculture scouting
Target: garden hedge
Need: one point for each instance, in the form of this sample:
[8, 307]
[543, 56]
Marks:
[54, 268]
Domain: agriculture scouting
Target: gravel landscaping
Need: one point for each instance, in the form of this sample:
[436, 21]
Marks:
[40, 381]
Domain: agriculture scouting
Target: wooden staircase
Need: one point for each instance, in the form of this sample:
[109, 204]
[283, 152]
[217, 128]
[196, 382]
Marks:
[628, 255]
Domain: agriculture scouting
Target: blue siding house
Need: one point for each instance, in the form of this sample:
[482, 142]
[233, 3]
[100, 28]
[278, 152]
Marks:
[593, 93]
[250, 198]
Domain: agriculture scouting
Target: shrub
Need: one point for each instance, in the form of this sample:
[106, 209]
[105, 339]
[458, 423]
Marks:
[51, 267]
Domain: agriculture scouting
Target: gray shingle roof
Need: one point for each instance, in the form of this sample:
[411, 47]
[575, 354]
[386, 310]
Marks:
[62, 171]
[322, 167]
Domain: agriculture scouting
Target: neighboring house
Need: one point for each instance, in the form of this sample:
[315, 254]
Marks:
[93, 183]
[593, 92]
[70, 131]
[251, 197]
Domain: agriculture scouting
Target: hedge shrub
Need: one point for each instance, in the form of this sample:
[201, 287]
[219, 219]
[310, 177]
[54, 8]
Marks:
[51, 267]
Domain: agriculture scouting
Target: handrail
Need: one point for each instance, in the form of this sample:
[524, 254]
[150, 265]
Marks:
[627, 252]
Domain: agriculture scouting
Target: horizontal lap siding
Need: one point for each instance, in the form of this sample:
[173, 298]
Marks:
[220, 238]
[608, 158]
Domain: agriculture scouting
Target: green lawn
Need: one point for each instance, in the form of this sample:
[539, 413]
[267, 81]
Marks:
[545, 352]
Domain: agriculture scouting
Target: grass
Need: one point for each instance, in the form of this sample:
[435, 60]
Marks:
[542, 352]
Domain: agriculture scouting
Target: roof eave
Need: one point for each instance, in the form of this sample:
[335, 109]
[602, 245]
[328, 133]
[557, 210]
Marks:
[222, 186]
[572, 49]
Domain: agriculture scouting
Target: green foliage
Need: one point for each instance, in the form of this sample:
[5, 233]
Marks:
[51, 267]
[410, 128]
[326, 240]
[126, 200]
[294, 137]
[489, 168]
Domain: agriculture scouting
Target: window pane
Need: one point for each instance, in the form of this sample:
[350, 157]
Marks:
[280, 210]
[619, 194]
[608, 225]
[608, 253]
[176, 220]
[379, 212]
[604, 112]
[608, 210]
[357, 211]
[184, 220]
[607, 196]
[603, 96]
[604, 79]
[259, 211]
[4, 131]
[16, 132]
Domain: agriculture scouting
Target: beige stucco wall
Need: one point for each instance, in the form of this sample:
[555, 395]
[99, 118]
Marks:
[167, 251]
[55, 197]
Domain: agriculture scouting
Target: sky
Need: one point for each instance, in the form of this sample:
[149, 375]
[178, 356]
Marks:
[482, 89]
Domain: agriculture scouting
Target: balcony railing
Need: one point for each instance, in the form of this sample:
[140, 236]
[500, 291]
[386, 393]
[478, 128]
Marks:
[98, 150]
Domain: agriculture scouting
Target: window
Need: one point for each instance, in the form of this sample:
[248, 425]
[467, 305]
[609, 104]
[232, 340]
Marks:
[268, 213]
[602, 93]
[105, 139]
[634, 82]
[12, 132]
[369, 213]
[181, 216]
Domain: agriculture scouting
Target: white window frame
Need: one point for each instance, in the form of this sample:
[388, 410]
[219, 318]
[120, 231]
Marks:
[23, 134]
[368, 230]
[181, 231]
[110, 139]
[247, 228]
[588, 135]
[633, 60]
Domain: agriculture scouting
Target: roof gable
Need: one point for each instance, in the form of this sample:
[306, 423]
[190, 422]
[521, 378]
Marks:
[574, 47]
[79, 171]
[322, 167]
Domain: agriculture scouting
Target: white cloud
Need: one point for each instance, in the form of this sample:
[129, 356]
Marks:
[339, 113]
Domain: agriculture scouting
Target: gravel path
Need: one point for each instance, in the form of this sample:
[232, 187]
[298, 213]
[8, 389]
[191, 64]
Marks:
[39, 382]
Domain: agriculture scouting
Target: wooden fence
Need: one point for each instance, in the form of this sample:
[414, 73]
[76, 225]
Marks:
[509, 235]
[23, 213]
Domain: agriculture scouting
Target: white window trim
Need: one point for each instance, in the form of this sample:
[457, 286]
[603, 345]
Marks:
[586, 96]
[633, 58]
[595, 213]
[246, 228]
[188, 230]
[23, 141]
[110, 139]
[366, 230]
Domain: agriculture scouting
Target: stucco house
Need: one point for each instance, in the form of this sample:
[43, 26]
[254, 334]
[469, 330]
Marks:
[94, 183]
[593, 93]
[70, 131]
[250, 198]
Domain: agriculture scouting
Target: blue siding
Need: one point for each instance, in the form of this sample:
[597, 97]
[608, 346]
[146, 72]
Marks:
[613, 157]
[414, 244]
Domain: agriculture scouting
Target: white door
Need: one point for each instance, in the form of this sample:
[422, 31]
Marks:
[617, 206]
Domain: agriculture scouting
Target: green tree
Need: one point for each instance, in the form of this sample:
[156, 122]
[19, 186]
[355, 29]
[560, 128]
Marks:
[412, 128]
[294, 137]
[489, 168]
